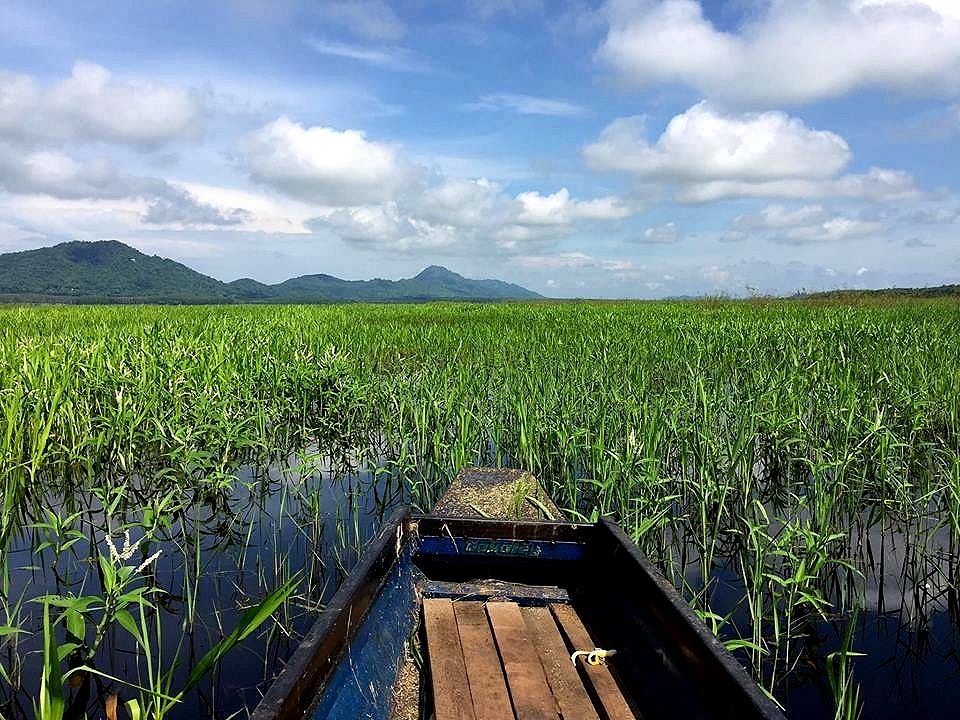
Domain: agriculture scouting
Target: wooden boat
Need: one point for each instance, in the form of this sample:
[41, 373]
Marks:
[497, 608]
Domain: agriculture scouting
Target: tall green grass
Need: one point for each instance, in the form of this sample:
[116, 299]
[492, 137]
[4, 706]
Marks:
[745, 446]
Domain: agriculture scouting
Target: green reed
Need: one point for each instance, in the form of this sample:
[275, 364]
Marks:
[741, 444]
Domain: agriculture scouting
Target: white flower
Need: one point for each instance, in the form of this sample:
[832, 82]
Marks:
[148, 561]
[121, 556]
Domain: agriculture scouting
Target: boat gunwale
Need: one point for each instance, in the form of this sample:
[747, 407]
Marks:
[709, 643]
[294, 690]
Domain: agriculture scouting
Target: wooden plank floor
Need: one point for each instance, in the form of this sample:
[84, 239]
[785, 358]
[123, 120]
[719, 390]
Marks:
[496, 661]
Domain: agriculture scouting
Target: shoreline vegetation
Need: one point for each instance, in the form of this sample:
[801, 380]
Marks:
[793, 468]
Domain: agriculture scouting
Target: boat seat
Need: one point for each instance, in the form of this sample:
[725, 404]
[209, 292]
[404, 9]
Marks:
[497, 660]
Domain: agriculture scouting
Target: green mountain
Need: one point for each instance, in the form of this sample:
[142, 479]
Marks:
[434, 283]
[111, 272]
[107, 271]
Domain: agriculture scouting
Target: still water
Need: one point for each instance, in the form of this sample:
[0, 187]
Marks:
[219, 555]
[227, 549]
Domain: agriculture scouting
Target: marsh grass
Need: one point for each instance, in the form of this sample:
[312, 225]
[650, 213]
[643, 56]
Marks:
[751, 449]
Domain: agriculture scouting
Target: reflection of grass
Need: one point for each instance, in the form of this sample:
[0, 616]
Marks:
[127, 601]
[741, 444]
[846, 692]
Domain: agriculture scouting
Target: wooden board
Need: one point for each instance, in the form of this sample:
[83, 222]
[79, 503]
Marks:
[488, 688]
[529, 689]
[565, 682]
[599, 677]
[451, 690]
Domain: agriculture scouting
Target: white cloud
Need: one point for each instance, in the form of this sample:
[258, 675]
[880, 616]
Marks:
[381, 224]
[705, 144]
[777, 217]
[322, 165]
[73, 219]
[514, 237]
[801, 225]
[19, 99]
[710, 156]
[175, 247]
[91, 105]
[876, 185]
[467, 214]
[464, 203]
[667, 233]
[387, 227]
[54, 173]
[789, 51]
[267, 212]
[717, 275]
[527, 105]
[948, 9]
[57, 175]
[833, 230]
[387, 58]
[572, 261]
[559, 209]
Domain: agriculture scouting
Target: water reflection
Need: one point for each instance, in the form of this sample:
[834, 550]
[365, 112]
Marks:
[903, 580]
[219, 553]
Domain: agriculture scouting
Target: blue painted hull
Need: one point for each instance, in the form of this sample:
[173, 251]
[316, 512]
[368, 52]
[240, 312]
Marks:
[361, 686]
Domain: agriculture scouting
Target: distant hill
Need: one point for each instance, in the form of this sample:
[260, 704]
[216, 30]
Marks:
[434, 283]
[111, 272]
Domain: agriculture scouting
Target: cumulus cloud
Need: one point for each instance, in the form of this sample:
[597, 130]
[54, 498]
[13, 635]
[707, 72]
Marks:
[704, 144]
[54, 173]
[91, 105]
[389, 227]
[465, 214]
[322, 165]
[792, 51]
[463, 203]
[368, 194]
[375, 225]
[559, 209]
[709, 155]
[527, 105]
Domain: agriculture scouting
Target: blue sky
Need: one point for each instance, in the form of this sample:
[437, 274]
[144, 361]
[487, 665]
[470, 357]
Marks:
[631, 148]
